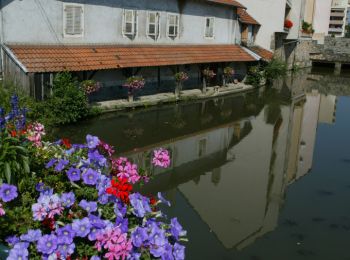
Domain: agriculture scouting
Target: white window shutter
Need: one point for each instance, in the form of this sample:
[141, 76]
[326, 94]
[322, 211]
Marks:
[69, 11]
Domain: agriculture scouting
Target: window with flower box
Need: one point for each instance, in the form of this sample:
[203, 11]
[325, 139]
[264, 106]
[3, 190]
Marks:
[173, 25]
[153, 25]
[209, 27]
[73, 20]
[130, 23]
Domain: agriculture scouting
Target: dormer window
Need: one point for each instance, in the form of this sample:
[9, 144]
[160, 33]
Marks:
[73, 20]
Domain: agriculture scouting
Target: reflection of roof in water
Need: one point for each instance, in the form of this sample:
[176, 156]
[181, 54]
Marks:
[188, 171]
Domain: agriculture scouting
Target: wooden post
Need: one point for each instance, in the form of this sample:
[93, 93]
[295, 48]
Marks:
[158, 80]
[337, 68]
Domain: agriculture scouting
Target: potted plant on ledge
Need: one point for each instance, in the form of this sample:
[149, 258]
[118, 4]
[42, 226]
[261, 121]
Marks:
[208, 74]
[306, 28]
[133, 83]
[228, 74]
[180, 77]
[288, 24]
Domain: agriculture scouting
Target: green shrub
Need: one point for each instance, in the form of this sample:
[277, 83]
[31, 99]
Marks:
[275, 69]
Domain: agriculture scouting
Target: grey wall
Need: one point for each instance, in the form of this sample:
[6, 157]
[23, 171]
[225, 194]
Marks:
[41, 21]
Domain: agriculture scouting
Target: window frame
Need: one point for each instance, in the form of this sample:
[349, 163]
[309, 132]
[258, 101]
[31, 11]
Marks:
[177, 25]
[205, 27]
[82, 20]
[134, 27]
[156, 35]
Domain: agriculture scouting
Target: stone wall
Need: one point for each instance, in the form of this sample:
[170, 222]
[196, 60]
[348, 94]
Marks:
[296, 53]
[337, 45]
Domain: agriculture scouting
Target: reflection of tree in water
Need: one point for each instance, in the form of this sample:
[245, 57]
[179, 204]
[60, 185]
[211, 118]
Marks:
[133, 133]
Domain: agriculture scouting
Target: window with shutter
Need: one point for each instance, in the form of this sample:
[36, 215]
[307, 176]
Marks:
[73, 20]
[153, 25]
[209, 27]
[173, 25]
[130, 22]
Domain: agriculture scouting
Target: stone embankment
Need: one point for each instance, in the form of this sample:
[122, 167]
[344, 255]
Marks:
[162, 98]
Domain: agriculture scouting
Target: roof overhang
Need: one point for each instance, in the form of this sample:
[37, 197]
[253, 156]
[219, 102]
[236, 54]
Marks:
[55, 58]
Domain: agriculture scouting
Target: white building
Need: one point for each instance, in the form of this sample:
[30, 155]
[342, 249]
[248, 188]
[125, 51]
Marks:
[338, 17]
[111, 40]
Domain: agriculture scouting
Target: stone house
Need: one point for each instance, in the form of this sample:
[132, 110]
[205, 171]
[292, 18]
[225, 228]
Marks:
[108, 41]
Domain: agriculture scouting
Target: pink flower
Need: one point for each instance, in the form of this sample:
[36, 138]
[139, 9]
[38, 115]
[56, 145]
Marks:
[161, 158]
[2, 211]
[126, 170]
[116, 242]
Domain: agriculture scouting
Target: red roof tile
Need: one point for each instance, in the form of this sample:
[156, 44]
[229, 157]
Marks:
[245, 17]
[227, 2]
[263, 53]
[53, 58]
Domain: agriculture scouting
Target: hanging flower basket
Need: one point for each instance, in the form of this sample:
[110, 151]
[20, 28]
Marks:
[181, 76]
[132, 84]
[90, 86]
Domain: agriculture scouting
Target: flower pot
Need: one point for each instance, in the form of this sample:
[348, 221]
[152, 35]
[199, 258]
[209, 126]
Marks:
[130, 97]
[235, 81]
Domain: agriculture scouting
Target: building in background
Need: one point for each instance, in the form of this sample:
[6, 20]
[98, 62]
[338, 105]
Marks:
[338, 18]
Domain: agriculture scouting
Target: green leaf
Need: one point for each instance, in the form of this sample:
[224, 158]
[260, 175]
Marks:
[7, 172]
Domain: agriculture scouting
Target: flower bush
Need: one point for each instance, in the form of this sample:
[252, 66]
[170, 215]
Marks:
[181, 76]
[79, 202]
[133, 83]
[209, 74]
[229, 72]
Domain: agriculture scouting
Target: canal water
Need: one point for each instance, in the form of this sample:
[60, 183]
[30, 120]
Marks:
[263, 175]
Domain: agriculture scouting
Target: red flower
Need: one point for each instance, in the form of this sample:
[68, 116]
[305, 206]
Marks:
[13, 133]
[120, 189]
[153, 200]
[66, 143]
[49, 223]
[288, 24]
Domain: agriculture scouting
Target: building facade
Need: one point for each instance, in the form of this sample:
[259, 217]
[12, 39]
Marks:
[110, 40]
[338, 18]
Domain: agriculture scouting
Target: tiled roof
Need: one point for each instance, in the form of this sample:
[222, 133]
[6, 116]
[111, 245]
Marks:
[227, 2]
[265, 54]
[245, 17]
[53, 58]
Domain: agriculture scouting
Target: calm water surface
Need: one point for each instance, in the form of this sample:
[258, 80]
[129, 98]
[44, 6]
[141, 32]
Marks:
[263, 175]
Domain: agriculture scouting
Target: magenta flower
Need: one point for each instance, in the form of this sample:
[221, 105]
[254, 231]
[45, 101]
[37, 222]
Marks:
[161, 158]
[2, 211]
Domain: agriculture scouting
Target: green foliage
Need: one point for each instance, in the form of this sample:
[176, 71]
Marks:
[255, 75]
[68, 103]
[14, 161]
[307, 27]
[275, 69]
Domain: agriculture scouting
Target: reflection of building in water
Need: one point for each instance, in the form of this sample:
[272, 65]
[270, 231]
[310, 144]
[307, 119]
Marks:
[328, 107]
[234, 176]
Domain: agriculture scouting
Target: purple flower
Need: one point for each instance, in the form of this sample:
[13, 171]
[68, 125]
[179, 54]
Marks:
[97, 158]
[179, 252]
[12, 240]
[50, 163]
[140, 205]
[81, 227]
[32, 235]
[158, 237]
[162, 199]
[65, 234]
[73, 174]
[47, 244]
[90, 177]
[96, 221]
[66, 249]
[93, 233]
[40, 186]
[8, 192]
[122, 223]
[120, 209]
[18, 253]
[39, 211]
[95, 258]
[92, 141]
[61, 165]
[89, 206]
[68, 199]
[176, 229]
[139, 236]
